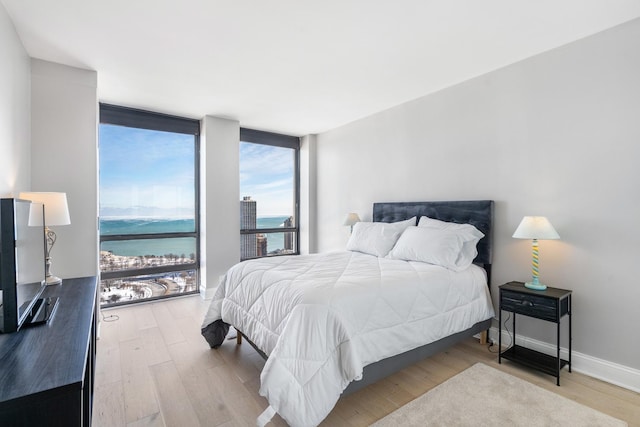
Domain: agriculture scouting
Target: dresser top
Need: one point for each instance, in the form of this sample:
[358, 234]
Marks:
[52, 355]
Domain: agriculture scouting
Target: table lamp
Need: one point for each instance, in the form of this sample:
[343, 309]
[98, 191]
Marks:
[351, 219]
[535, 228]
[56, 212]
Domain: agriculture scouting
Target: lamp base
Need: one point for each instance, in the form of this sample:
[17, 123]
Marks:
[52, 280]
[535, 286]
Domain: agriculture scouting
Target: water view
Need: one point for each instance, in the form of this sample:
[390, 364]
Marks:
[122, 255]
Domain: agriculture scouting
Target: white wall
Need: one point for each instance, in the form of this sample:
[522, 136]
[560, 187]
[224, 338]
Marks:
[64, 117]
[555, 135]
[48, 142]
[15, 105]
[220, 195]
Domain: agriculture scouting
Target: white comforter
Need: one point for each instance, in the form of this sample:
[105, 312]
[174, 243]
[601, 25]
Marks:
[322, 318]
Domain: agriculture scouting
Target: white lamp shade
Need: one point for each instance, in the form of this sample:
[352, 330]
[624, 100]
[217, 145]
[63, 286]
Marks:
[56, 210]
[351, 219]
[535, 227]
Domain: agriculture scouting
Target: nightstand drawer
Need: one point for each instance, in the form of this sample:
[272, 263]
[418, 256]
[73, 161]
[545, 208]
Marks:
[530, 305]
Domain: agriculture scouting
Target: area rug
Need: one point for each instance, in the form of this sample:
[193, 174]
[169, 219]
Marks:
[484, 396]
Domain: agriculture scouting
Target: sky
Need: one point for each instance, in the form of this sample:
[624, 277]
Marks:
[145, 173]
[267, 175]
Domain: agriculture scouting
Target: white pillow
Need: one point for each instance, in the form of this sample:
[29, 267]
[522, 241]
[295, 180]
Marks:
[439, 247]
[425, 221]
[377, 238]
[470, 236]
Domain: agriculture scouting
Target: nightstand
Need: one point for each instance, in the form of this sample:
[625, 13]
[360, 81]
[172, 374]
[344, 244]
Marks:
[551, 305]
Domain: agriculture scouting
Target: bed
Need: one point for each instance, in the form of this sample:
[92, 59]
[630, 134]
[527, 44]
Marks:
[330, 324]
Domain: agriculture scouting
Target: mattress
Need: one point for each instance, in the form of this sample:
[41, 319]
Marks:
[321, 318]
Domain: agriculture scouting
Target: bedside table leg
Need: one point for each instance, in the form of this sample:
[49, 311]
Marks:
[569, 333]
[499, 336]
[558, 354]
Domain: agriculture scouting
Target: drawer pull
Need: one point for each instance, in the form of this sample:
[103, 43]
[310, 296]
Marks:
[526, 303]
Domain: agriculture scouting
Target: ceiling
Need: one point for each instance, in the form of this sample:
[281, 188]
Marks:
[296, 66]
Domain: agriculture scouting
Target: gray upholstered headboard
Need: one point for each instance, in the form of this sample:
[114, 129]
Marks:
[478, 213]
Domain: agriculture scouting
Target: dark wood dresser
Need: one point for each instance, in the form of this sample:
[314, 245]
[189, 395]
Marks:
[47, 371]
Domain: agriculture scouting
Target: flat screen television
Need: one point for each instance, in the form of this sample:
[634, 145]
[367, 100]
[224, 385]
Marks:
[22, 261]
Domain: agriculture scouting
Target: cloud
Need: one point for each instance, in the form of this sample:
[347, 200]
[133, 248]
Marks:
[151, 173]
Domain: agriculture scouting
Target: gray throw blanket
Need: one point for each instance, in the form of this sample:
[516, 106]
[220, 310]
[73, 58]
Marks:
[215, 333]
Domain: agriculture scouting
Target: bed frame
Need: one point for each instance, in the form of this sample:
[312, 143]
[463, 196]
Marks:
[478, 213]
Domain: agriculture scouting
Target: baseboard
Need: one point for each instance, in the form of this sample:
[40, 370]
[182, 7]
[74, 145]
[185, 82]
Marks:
[207, 293]
[601, 369]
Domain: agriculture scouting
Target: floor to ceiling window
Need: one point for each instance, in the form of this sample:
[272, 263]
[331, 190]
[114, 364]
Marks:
[149, 236]
[269, 194]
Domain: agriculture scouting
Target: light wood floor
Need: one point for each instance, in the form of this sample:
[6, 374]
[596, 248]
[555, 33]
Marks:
[154, 369]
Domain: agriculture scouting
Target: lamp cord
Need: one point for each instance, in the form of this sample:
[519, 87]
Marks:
[506, 328]
[109, 318]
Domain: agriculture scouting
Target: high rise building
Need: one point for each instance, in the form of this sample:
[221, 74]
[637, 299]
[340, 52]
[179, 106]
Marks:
[288, 237]
[248, 242]
[261, 244]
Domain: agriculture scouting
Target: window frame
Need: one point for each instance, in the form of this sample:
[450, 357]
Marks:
[283, 141]
[143, 119]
